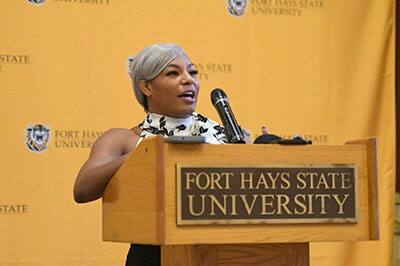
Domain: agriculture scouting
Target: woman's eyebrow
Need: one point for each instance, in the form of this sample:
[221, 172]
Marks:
[173, 65]
[177, 66]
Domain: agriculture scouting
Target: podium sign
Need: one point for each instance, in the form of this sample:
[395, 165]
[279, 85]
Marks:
[266, 194]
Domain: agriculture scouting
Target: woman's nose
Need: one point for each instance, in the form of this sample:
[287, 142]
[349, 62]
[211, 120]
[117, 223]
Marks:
[187, 77]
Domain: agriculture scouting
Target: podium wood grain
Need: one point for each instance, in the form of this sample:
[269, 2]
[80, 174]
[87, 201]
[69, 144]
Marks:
[236, 255]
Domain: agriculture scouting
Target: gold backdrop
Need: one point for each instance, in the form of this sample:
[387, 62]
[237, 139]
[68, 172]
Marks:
[321, 68]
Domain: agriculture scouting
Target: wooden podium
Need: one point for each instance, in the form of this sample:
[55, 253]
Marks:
[140, 204]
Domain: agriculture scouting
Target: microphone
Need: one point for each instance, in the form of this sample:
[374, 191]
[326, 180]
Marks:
[232, 130]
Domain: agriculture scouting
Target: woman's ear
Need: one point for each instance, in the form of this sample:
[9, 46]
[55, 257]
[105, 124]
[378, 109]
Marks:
[145, 87]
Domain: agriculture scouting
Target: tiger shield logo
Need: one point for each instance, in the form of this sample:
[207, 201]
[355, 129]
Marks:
[37, 137]
[237, 7]
[36, 2]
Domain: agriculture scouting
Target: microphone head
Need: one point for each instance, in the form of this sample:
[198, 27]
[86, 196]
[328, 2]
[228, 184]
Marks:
[218, 94]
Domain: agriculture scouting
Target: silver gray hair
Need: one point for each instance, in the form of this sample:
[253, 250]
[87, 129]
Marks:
[150, 62]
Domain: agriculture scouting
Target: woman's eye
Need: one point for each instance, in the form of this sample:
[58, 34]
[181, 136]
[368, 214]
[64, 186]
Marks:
[193, 72]
[172, 73]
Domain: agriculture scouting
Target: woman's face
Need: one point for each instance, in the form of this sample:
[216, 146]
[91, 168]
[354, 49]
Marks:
[174, 91]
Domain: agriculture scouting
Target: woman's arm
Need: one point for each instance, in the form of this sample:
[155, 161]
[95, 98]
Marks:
[108, 153]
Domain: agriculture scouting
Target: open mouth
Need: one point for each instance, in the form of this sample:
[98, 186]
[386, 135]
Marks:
[188, 95]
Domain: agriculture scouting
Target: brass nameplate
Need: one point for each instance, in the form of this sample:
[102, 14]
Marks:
[267, 194]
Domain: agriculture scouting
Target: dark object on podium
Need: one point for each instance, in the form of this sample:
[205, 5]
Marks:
[185, 139]
[274, 139]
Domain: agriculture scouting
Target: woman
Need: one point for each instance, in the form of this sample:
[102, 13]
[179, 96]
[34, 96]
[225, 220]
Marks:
[166, 84]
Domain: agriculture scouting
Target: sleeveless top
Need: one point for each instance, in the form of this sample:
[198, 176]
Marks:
[194, 125]
[155, 124]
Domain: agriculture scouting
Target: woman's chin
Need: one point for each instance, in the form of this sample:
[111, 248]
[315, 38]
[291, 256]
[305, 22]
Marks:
[182, 113]
[177, 111]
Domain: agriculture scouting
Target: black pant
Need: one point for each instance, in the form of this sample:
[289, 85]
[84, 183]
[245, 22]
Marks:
[143, 255]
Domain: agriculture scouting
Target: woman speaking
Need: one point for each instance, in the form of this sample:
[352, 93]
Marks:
[165, 83]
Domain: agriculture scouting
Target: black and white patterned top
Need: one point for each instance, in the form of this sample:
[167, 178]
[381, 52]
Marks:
[194, 125]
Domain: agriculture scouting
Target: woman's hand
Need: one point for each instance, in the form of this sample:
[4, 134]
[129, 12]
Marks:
[264, 130]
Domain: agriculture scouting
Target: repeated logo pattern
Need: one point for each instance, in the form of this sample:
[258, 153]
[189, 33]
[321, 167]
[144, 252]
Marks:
[36, 2]
[237, 7]
[37, 137]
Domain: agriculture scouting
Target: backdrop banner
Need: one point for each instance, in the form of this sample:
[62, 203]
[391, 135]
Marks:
[320, 68]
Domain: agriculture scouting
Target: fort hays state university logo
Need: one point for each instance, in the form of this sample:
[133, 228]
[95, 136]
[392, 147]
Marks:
[37, 137]
[36, 2]
[237, 7]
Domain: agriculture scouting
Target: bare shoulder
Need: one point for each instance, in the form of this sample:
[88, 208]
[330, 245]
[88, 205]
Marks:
[118, 133]
[115, 142]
